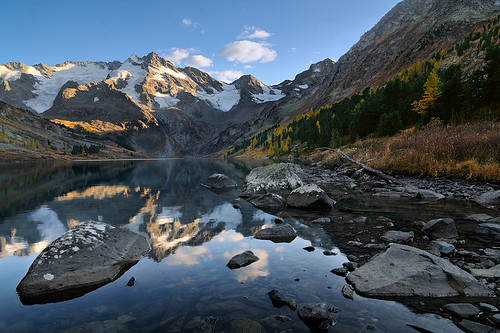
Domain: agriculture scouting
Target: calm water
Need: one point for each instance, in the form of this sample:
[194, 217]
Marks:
[193, 232]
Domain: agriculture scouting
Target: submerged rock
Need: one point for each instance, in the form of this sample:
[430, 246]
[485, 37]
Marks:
[207, 325]
[274, 178]
[242, 259]
[283, 233]
[463, 310]
[310, 196]
[246, 325]
[440, 228]
[277, 298]
[396, 236]
[317, 316]
[83, 259]
[403, 271]
[218, 181]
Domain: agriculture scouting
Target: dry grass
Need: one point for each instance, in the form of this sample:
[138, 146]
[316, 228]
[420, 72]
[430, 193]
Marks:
[470, 151]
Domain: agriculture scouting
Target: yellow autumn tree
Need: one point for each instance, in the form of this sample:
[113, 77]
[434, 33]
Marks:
[432, 93]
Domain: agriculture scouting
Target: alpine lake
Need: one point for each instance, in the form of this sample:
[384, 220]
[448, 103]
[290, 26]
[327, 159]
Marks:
[193, 233]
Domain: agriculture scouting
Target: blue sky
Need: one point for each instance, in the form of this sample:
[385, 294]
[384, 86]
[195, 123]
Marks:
[272, 40]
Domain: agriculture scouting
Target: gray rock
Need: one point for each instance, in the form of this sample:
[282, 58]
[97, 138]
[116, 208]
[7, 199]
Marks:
[277, 298]
[347, 292]
[474, 327]
[403, 270]
[218, 181]
[488, 308]
[310, 197]
[490, 230]
[340, 271]
[322, 220]
[395, 236]
[242, 259]
[351, 266]
[494, 220]
[360, 219]
[329, 253]
[207, 325]
[269, 201]
[83, 259]
[489, 199]
[492, 272]
[496, 318]
[317, 316]
[274, 178]
[442, 247]
[440, 228]
[283, 233]
[429, 195]
[478, 217]
[463, 310]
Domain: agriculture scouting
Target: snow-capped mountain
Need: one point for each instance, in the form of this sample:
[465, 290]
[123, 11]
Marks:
[147, 103]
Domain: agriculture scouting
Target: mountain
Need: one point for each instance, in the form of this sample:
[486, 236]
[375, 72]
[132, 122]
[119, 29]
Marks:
[149, 105]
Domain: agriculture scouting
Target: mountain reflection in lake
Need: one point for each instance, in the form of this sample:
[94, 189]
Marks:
[194, 232]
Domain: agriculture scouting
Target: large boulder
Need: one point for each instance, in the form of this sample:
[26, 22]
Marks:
[310, 196]
[440, 228]
[488, 199]
[84, 258]
[269, 201]
[283, 233]
[277, 178]
[219, 182]
[405, 271]
[242, 259]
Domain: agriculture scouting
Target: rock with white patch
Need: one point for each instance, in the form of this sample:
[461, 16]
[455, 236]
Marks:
[276, 178]
[219, 182]
[84, 258]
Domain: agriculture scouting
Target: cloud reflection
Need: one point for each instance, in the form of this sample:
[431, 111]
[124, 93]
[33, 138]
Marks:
[253, 271]
[189, 256]
[224, 213]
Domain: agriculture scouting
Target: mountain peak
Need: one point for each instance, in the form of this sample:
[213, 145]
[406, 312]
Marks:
[247, 80]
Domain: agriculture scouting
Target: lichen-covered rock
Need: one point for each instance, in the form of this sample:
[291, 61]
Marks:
[242, 259]
[218, 181]
[440, 228]
[269, 201]
[310, 196]
[276, 178]
[283, 233]
[405, 271]
[84, 258]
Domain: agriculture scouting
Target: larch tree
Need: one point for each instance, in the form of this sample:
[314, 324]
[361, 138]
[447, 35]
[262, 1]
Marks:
[432, 92]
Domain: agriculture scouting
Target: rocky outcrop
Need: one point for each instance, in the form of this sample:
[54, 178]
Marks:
[283, 233]
[242, 259]
[310, 196]
[404, 271]
[218, 182]
[82, 259]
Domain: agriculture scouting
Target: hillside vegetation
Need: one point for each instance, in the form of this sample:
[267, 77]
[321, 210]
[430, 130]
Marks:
[444, 116]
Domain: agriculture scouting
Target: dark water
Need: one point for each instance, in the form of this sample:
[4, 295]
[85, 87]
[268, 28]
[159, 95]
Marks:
[193, 232]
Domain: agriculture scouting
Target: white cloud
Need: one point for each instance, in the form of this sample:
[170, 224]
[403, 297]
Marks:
[254, 33]
[245, 51]
[177, 56]
[248, 66]
[188, 23]
[228, 76]
[199, 61]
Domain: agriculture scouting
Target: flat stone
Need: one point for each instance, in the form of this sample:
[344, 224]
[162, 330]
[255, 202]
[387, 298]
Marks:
[429, 195]
[310, 196]
[440, 228]
[403, 271]
[493, 272]
[396, 236]
[475, 327]
[242, 259]
[340, 271]
[322, 220]
[283, 233]
[488, 308]
[478, 217]
[463, 310]
[269, 201]
[83, 259]
[496, 318]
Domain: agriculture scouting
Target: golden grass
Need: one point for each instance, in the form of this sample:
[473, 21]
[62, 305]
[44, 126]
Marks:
[470, 151]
